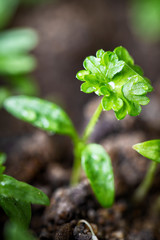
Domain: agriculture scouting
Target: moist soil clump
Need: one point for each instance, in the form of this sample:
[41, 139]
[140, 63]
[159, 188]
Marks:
[122, 221]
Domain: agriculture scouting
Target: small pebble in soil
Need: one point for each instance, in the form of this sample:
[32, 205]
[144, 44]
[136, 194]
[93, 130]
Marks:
[142, 235]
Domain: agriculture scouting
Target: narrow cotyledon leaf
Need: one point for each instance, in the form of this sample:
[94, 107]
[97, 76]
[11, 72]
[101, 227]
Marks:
[97, 166]
[40, 113]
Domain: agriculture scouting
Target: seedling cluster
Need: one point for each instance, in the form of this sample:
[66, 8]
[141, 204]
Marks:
[122, 87]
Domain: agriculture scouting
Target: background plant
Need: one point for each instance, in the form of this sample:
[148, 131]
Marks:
[16, 197]
[146, 18]
[112, 75]
[16, 64]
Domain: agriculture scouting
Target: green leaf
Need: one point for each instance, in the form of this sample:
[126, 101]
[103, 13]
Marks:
[112, 102]
[40, 113]
[7, 10]
[87, 87]
[14, 231]
[94, 66]
[17, 41]
[124, 55]
[97, 166]
[149, 149]
[100, 53]
[17, 211]
[16, 64]
[4, 93]
[114, 75]
[122, 112]
[112, 63]
[135, 89]
[81, 74]
[20, 191]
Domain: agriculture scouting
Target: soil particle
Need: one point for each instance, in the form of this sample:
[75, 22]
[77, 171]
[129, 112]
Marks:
[29, 153]
[45, 235]
[142, 235]
[117, 235]
[66, 202]
[65, 232]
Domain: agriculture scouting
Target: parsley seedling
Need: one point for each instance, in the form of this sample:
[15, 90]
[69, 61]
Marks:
[112, 75]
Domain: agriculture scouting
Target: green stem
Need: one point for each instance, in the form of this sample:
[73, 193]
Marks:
[92, 123]
[80, 143]
[144, 187]
[76, 169]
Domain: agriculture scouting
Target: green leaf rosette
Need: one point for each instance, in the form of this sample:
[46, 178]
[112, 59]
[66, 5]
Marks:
[115, 76]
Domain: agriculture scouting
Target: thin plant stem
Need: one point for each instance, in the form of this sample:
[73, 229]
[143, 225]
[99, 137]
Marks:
[79, 144]
[144, 187]
[76, 169]
[92, 123]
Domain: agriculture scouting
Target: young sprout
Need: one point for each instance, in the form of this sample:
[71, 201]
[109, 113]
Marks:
[16, 197]
[149, 149]
[90, 228]
[112, 75]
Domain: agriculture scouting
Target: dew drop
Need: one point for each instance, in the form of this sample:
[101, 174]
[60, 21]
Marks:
[29, 115]
[112, 84]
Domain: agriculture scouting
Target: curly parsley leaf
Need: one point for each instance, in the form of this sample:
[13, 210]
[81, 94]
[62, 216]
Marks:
[115, 76]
